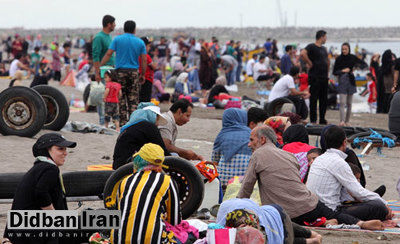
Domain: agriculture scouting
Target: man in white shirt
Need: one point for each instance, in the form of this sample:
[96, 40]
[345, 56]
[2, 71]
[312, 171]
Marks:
[285, 87]
[250, 65]
[173, 48]
[261, 69]
[17, 64]
[330, 175]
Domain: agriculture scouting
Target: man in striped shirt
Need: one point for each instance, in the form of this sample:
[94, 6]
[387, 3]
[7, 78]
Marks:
[147, 199]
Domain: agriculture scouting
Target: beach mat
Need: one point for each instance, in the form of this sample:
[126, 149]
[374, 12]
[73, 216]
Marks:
[98, 167]
[393, 204]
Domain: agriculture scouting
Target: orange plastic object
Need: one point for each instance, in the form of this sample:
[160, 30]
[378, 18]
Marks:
[208, 169]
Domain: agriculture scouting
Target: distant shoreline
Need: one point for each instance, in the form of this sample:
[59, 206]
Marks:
[248, 34]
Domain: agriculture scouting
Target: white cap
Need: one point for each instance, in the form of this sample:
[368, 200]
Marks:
[156, 109]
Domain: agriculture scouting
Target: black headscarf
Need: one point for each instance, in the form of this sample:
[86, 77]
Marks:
[345, 61]
[387, 62]
[40, 151]
[295, 133]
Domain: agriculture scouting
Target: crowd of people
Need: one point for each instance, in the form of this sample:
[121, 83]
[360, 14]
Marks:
[298, 184]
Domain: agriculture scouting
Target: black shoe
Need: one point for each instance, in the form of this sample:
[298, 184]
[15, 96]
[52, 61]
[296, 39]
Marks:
[381, 190]
[323, 122]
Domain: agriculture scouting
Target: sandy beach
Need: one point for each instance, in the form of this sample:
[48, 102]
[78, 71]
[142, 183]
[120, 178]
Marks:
[198, 135]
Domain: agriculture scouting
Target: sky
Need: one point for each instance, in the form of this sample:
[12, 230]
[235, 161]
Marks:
[34, 14]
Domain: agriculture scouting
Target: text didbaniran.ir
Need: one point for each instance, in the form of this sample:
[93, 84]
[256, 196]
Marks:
[63, 219]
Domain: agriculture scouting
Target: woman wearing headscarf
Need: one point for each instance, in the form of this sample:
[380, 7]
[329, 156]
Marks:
[140, 129]
[343, 69]
[296, 141]
[205, 72]
[158, 89]
[385, 82]
[230, 147]
[42, 187]
[272, 220]
[279, 124]
[144, 198]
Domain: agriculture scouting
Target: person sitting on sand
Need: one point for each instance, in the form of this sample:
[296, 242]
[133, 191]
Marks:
[140, 129]
[230, 149]
[158, 91]
[285, 87]
[256, 116]
[330, 174]
[279, 182]
[311, 156]
[295, 140]
[41, 187]
[272, 220]
[142, 221]
[351, 159]
[178, 115]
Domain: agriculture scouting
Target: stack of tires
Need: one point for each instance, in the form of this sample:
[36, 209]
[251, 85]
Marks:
[25, 111]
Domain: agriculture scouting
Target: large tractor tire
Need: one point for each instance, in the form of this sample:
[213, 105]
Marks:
[22, 112]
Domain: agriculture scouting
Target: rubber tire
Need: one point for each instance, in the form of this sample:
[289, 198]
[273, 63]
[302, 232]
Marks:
[276, 104]
[176, 165]
[367, 133]
[85, 183]
[9, 183]
[77, 184]
[62, 113]
[33, 101]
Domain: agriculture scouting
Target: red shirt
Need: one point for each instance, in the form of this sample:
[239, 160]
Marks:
[114, 89]
[149, 70]
[82, 64]
[372, 92]
[303, 78]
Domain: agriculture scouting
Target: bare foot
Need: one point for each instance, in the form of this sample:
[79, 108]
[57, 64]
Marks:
[342, 123]
[371, 225]
[314, 240]
[331, 222]
[348, 124]
[389, 223]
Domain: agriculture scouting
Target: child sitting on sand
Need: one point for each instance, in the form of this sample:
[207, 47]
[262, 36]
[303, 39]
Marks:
[111, 98]
[311, 156]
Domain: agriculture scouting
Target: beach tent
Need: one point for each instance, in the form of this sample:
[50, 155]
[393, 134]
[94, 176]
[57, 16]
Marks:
[69, 80]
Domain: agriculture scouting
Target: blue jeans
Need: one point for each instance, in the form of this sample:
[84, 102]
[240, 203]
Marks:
[238, 72]
[231, 76]
[100, 111]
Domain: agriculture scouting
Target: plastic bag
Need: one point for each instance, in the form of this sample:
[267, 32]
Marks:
[233, 189]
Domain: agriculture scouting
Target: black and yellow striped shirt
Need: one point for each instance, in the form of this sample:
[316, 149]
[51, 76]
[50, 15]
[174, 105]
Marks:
[143, 198]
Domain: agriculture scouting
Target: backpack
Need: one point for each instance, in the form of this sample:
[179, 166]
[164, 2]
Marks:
[96, 93]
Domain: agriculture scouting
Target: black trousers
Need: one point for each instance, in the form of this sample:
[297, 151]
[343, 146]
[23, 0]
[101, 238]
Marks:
[301, 106]
[145, 91]
[293, 232]
[57, 75]
[374, 209]
[319, 92]
[323, 211]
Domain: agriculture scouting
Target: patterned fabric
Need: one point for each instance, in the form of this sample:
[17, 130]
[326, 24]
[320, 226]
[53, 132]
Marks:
[239, 217]
[237, 166]
[130, 86]
[111, 110]
[146, 199]
[303, 162]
